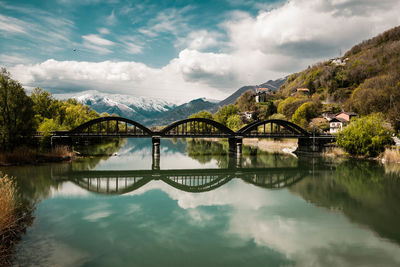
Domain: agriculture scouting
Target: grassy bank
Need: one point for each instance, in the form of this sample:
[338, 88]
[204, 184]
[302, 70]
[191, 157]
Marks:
[26, 155]
[272, 146]
[14, 218]
[391, 155]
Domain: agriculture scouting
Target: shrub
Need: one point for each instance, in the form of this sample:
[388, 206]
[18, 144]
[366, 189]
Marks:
[305, 113]
[365, 136]
[234, 122]
[225, 112]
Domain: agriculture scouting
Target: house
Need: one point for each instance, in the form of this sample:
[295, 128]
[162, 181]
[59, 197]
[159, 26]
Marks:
[336, 125]
[340, 121]
[261, 94]
[346, 115]
[246, 116]
[303, 91]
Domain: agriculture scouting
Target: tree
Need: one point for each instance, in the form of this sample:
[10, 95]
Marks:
[202, 114]
[305, 113]
[277, 116]
[16, 113]
[76, 114]
[262, 112]
[365, 136]
[246, 102]
[234, 122]
[289, 106]
[44, 106]
[225, 112]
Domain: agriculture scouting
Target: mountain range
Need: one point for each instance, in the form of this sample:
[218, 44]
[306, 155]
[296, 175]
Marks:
[153, 111]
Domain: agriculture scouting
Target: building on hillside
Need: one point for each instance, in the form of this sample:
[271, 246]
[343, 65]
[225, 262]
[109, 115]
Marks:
[336, 125]
[261, 94]
[246, 116]
[340, 121]
[303, 91]
[346, 115]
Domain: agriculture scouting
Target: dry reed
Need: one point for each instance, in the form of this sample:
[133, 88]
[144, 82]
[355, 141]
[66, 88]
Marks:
[391, 155]
[25, 154]
[14, 218]
[7, 203]
[334, 152]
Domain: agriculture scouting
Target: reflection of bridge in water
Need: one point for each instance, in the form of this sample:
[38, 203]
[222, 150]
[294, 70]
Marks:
[194, 180]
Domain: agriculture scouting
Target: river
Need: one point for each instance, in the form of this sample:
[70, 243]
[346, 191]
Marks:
[201, 208]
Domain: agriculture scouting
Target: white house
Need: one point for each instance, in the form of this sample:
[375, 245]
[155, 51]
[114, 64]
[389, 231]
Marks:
[337, 124]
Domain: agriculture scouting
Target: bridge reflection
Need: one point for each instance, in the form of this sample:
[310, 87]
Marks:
[193, 180]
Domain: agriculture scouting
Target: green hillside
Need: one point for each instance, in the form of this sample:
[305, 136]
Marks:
[365, 80]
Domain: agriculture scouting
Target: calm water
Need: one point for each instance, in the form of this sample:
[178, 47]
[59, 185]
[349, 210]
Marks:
[199, 209]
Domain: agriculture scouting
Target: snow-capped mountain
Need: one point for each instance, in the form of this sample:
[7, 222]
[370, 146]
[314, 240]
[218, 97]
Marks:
[138, 108]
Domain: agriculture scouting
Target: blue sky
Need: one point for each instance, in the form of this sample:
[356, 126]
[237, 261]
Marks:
[178, 50]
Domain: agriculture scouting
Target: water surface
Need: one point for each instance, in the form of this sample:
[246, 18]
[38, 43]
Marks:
[203, 208]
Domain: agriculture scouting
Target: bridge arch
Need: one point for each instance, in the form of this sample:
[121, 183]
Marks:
[112, 126]
[272, 128]
[274, 180]
[110, 185]
[197, 184]
[199, 127]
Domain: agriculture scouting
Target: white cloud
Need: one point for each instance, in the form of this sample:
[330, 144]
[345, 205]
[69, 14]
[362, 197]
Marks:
[111, 19]
[12, 59]
[172, 21]
[200, 40]
[12, 25]
[103, 31]
[131, 45]
[97, 43]
[97, 40]
[311, 29]
[130, 78]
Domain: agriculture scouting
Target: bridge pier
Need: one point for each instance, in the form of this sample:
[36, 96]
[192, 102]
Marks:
[156, 145]
[235, 145]
[155, 164]
[235, 152]
[155, 153]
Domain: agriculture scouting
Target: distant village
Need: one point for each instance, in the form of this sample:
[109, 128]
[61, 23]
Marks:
[336, 121]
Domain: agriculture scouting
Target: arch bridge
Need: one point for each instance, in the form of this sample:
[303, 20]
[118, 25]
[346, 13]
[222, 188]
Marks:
[195, 128]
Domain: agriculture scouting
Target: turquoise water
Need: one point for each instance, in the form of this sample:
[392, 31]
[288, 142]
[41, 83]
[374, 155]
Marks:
[200, 209]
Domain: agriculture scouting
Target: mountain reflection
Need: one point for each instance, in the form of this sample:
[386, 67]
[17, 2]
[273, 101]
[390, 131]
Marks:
[192, 180]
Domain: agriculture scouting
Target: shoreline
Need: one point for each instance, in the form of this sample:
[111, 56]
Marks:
[30, 156]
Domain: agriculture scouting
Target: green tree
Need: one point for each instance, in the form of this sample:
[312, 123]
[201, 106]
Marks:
[234, 122]
[225, 112]
[277, 116]
[289, 106]
[262, 112]
[76, 114]
[365, 136]
[16, 114]
[44, 105]
[202, 114]
[305, 113]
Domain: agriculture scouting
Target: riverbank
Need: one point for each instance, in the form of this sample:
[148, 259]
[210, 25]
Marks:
[26, 155]
[14, 219]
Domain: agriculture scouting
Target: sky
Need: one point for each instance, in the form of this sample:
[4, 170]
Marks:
[178, 50]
